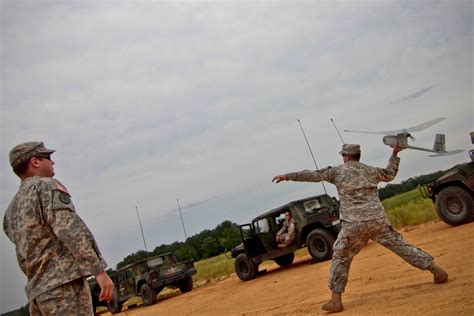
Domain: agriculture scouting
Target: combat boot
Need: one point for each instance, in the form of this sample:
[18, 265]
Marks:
[439, 274]
[334, 305]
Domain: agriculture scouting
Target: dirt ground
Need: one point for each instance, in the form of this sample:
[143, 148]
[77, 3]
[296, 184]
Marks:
[380, 283]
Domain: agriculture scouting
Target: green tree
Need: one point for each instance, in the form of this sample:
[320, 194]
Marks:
[203, 245]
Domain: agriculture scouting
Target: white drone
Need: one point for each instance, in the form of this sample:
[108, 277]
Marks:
[400, 138]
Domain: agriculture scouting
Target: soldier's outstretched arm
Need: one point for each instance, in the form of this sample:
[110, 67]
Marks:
[326, 174]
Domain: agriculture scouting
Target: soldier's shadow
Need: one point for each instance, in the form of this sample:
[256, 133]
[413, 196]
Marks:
[275, 270]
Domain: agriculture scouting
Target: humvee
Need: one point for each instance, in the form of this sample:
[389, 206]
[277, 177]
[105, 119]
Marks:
[453, 194]
[146, 278]
[317, 225]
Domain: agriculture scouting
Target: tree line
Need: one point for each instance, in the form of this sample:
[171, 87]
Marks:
[411, 183]
[206, 244]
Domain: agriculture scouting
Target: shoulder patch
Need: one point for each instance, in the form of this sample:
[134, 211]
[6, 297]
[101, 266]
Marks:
[63, 197]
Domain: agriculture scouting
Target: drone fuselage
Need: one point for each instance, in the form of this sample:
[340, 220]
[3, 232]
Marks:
[400, 139]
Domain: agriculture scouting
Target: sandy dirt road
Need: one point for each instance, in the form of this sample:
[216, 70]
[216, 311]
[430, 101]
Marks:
[380, 283]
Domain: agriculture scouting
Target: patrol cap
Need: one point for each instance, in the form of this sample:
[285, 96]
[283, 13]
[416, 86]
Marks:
[23, 152]
[350, 149]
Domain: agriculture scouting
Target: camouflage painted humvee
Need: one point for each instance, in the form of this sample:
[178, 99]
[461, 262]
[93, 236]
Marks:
[317, 225]
[147, 278]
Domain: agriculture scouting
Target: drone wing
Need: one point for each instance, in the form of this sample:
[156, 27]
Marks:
[365, 132]
[425, 125]
[416, 128]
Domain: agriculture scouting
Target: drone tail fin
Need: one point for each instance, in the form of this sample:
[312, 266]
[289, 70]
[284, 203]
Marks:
[440, 147]
[439, 143]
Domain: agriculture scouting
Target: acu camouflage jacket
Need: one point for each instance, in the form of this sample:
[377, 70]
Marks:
[53, 245]
[356, 184]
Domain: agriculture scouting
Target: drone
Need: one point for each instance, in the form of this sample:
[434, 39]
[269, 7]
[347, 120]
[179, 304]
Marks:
[400, 138]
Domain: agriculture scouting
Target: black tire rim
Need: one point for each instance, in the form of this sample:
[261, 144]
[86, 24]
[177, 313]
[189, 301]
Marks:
[146, 295]
[243, 267]
[454, 205]
[319, 245]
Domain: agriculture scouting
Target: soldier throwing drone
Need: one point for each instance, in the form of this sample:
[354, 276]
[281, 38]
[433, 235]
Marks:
[362, 217]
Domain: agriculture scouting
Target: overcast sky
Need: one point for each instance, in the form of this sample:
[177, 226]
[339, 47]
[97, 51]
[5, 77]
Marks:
[150, 102]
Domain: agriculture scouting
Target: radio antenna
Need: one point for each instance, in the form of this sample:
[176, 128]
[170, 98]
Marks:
[337, 131]
[141, 228]
[311, 152]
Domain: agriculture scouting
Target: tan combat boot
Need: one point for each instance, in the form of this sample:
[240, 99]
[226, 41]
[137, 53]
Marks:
[439, 274]
[334, 305]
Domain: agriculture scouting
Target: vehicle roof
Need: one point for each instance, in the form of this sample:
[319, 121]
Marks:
[144, 260]
[283, 207]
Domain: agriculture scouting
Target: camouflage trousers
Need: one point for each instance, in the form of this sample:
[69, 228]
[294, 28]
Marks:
[285, 239]
[354, 236]
[72, 298]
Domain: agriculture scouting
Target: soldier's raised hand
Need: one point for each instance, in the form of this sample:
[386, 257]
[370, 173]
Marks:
[396, 150]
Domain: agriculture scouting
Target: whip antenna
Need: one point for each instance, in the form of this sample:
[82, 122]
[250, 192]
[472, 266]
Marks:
[141, 228]
[311, 152]
[337, 131]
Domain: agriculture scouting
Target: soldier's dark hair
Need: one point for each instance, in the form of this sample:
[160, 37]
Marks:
[21, 168]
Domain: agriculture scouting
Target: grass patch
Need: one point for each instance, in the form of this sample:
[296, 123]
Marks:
[409, 209]
[214, 268]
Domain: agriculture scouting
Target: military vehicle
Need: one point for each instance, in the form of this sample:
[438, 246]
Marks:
[453, 193]
[147, 278]
[317, 225]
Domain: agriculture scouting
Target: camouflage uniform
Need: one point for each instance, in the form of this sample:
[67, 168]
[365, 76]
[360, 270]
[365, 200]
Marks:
[287, 233]
[54, 247]
[362, 215]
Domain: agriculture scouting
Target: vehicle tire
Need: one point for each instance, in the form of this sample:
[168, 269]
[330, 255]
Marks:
[285, 260]
[115, 306]
[320, 244]
[186, 284]
[148, 295]
[455, 205]
[246, 269]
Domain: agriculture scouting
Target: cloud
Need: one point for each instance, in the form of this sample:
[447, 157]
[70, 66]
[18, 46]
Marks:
[413, 95]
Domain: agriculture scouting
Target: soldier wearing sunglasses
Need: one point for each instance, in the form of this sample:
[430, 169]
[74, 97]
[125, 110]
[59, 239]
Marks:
[54, 248]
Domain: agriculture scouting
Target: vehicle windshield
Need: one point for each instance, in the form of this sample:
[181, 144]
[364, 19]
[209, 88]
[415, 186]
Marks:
[246, 231]
[166, 259]
[261, 226]
[312, 206]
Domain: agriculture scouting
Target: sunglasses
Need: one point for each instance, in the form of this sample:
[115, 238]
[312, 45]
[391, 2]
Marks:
[44, 156]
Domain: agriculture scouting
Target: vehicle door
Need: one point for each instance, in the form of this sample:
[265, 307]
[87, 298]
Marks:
[264, 230]
[250, 241]
[126, 281]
